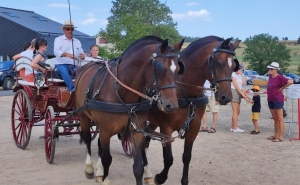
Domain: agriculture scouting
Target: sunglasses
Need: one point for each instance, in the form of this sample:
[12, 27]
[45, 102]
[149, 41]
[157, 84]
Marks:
[271, 69]
[255, 90]
[68, 29]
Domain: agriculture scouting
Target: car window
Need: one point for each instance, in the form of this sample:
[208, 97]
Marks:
[254, 73]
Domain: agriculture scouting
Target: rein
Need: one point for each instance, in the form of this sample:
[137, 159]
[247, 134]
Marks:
[129, 88]
[196, 86]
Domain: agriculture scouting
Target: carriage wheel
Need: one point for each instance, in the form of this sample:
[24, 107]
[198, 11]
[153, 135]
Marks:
[94, 128]
[21, 116]
[127, 146]
[49, 135]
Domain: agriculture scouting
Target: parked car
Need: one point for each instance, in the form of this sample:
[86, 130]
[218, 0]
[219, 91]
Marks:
[7, 75]
[295, 78]
[249, 77]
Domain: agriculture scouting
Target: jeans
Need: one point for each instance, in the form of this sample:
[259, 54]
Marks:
[65, 70]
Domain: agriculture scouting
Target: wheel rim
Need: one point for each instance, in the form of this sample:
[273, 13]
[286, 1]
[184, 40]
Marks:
[9, 84]
[21, 119]
[127, 146]
[49, 135]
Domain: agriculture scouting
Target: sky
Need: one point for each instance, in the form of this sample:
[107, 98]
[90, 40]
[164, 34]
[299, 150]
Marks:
[195, 18]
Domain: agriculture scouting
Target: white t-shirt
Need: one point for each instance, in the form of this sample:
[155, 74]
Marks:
[63, 44]
[28, 54]
[238, 78]
[207, 85]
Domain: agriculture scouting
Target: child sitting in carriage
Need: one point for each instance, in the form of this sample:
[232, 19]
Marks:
[38, 57]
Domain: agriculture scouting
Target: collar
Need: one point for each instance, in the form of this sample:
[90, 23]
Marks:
[65, 38]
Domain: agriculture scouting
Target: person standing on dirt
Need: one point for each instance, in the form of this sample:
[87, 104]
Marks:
[64, 47]
[212, 106]
[276, 84]
[255, 108]
[237, 94]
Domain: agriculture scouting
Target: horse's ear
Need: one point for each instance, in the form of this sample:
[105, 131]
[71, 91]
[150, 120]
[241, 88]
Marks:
[164, 45]
[226, 43]
[236, 44]
[178, 46]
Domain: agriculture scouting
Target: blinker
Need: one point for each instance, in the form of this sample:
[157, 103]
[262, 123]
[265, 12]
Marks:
[159, 68]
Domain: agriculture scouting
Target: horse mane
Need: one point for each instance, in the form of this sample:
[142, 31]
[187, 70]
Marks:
[192, 47]
[144, 41]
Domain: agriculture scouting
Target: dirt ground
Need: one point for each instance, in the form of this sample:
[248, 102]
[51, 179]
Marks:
[224, 157]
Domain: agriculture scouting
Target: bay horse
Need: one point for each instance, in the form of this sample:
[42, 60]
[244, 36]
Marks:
[111, 96]
[209, 58]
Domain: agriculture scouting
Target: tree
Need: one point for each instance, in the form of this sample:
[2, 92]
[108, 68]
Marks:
[133, 19]
[263, 49]
[298, 40]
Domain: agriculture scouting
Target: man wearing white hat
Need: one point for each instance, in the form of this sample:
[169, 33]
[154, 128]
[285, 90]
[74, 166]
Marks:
[67, 49]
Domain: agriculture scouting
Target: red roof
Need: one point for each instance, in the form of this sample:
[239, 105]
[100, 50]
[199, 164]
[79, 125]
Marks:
[102, 41]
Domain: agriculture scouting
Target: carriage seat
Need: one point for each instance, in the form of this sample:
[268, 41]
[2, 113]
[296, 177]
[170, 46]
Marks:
[53, 76]
[20, 65]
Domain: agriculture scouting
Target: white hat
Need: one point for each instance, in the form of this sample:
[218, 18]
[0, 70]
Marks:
[273, 65]
[68, 23]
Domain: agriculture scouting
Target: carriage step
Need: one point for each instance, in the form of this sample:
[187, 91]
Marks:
[39, 124]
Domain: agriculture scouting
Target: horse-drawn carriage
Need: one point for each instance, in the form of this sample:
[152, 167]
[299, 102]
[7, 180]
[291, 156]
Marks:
[45, 98]
[118, 97]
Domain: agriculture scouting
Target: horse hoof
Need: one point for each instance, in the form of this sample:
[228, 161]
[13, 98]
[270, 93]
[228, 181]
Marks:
[149, 181]
[100, 178]
[155, 181]
[89, 175]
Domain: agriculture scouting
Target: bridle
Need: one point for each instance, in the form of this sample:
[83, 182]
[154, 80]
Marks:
[211, 65]
[157, 69]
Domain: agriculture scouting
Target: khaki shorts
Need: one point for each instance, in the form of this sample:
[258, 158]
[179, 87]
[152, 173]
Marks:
[236, 96]
[212, 106]
[255, 115]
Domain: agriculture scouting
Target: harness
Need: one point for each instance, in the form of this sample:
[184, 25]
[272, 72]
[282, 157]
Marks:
[191, 103]
[145, 104]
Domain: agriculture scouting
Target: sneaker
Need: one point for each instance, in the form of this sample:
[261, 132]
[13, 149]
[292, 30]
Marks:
[237, 130]
[254, 132]
[231, 129]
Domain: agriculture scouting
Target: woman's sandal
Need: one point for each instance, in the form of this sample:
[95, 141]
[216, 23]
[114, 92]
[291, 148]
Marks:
[271, 138]
[203, 129]
[277, 140]
[212, 130]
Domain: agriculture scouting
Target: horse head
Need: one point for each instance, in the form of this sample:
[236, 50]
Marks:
[165, 67]
[221, 64]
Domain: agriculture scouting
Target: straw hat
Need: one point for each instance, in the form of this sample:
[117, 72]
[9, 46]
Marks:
[68, 23]
[273, 65]
[256, 88]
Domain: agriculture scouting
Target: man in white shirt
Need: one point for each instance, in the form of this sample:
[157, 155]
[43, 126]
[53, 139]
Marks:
[64, 47]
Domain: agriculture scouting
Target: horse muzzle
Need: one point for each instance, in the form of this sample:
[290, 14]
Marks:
[166, 105]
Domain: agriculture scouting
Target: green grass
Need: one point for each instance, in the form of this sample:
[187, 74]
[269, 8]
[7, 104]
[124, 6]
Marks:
[295, 55]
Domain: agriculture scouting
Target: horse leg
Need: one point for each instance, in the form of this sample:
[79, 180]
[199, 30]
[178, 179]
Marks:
[86, 137]
[187, 153]
[104, 159]
[148, 177]
[168, 161]
[138, 144]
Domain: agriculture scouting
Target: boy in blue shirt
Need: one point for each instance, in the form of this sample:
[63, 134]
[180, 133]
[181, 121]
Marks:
[255, 108]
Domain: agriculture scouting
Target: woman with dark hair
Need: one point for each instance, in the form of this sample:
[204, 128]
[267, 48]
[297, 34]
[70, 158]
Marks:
[41, 46]
[276, 84]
